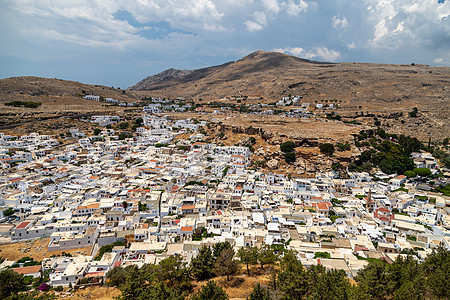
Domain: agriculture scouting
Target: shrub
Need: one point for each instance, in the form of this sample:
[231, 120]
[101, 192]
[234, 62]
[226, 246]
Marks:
[410, 174]
[289, 157]
[29, 104]
[287, 147]
[413, 113]
[424, 172]
[327, 148]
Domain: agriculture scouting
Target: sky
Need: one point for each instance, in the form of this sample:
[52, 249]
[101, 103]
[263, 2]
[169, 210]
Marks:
[120, 42]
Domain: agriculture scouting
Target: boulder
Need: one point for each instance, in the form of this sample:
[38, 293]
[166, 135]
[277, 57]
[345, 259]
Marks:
[273, 164]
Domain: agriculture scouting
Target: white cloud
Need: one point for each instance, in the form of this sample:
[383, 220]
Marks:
[295, 7]
[409, 23]
[272, 6]
[352, 45]
[438, 60]
[323, 53]
[328, 54]
[253, 26]
[339, 23]
[260, 18]
[259, 23]
[320, 52]
[297, 51]
[190, 15]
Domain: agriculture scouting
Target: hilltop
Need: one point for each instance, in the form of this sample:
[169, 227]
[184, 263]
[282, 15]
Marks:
[272, 75]
[40, 87]
[57, 96]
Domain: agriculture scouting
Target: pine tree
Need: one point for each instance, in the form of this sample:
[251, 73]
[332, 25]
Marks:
[259, 293]
[202, 266]
[248, 256]
[210, 291]
[266, 256]
[225, 264]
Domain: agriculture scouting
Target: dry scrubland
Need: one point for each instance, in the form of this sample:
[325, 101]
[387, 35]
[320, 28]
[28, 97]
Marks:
[239, 288]
[272, 75]
[36, 249]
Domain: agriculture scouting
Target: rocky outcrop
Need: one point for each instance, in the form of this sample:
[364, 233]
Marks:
[154, 79]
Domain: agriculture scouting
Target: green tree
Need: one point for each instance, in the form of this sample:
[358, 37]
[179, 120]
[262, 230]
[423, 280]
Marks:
[173, 270]
[424, 172]
[210, 291]
[374, 281]
[413, 290]
[248, 256]
[259, 293]
[410, 174]
[289, 157]
[9, 212]
[331, 284]
[437, 271]
[327, 148]
[97, 131]
[287, 147]
[117, 276]
[139, 121]
[413, 113]
[225, 264]
[10, 283]
[202, 265]
[266, 256]
[292, 279]
[160, 291]
[219, 247]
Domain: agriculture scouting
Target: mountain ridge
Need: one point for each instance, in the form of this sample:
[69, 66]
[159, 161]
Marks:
[273, 75]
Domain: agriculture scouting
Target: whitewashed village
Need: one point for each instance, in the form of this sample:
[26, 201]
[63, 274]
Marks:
[153, 195]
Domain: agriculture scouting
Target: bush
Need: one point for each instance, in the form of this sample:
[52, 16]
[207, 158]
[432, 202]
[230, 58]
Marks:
[424, 172]
[107, 248]
[9, 212]
[10, 283]
[410, 174]
[322, 255]
[289, 157]
[139, 121]
[123, 125]
[327, 148]
[29, 104]
[159, 145]
[413, 113]
[343, 147]
[287, 147]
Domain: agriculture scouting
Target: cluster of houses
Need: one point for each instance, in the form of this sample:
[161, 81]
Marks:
[109, 100]
[157, 193]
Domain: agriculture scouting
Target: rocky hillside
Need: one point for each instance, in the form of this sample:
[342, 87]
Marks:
[272, 75]
[148, 82]
[40, 87]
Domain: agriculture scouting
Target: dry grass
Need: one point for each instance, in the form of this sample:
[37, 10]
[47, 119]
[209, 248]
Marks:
[239, 287]
[96, 292]
[38, 250]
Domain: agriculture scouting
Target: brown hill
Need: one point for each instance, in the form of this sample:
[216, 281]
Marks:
[273, 75]
[58, 97]
[39, 87]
